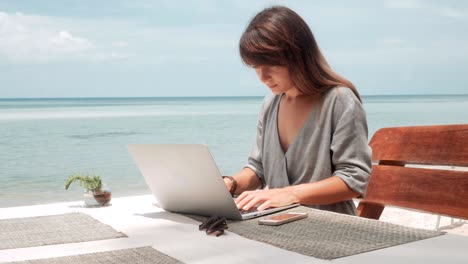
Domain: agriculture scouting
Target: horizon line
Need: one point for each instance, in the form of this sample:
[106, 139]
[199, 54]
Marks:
[206, 96]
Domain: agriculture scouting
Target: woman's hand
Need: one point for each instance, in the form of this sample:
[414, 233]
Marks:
[327, 191]
[228, 183]
[266, 198]
[246, 179]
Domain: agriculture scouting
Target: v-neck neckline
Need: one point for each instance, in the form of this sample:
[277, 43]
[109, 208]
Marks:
[299, 133]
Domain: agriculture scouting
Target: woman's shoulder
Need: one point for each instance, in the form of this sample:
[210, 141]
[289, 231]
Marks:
[340, 100]
[341, 95]
[269, 101]
[270, 98]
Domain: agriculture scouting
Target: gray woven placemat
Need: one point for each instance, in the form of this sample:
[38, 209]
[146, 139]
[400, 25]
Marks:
[141, 255]
[328, 235]
[53, 229]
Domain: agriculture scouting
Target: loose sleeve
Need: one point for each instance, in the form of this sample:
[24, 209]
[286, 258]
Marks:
[351, 154]
[254, 161]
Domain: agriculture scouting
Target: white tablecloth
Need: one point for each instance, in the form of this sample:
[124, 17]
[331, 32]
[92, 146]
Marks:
[178, 236]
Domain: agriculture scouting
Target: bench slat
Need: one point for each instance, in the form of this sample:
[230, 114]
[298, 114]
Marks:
[437, 145]
[442, 192]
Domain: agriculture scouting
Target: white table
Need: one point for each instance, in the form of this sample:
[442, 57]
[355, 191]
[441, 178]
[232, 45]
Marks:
[147, 225]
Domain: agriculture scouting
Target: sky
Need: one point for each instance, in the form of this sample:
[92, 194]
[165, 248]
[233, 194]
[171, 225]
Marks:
[129, 48]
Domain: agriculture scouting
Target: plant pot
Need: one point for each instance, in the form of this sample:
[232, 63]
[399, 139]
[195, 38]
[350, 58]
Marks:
[97, 198]
[89, 200]
[103, 197]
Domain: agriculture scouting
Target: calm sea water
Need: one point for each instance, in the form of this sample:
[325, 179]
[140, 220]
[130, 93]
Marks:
[43, 141]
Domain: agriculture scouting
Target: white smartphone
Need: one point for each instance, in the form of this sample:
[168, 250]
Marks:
[282, 218]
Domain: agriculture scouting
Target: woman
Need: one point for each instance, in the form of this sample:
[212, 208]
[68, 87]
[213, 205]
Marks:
[311, 144]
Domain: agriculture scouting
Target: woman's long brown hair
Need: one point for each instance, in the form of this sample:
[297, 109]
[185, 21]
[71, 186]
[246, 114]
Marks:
[279, 36]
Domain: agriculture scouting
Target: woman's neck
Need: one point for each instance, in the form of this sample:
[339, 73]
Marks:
[294, 94]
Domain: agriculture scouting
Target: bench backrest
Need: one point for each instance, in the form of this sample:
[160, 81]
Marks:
[440, 191]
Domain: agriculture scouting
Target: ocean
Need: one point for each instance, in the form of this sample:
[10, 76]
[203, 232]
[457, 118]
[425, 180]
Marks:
[43, 141]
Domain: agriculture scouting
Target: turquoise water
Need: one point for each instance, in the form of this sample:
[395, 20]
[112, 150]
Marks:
[42, 141]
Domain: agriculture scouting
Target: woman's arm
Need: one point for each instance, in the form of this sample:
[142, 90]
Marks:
[327, 191]
[246, 180]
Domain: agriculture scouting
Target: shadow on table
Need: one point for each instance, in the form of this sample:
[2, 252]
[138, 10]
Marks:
[174, 217]
[82, 205]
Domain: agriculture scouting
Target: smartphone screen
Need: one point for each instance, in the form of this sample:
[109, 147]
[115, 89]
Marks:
[282, 218]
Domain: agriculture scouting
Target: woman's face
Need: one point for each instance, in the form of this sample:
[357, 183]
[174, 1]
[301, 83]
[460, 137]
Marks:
[277, 78]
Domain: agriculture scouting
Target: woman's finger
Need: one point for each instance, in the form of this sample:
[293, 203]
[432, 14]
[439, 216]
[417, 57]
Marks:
[243, 199]
[264, 205]
[253, 202]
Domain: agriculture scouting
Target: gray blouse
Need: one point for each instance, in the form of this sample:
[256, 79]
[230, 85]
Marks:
[332, 142]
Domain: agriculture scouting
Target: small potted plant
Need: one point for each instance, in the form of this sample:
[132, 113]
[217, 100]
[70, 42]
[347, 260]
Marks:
[95, 194]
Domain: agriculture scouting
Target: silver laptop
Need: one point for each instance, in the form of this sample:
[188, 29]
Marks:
[184, 179]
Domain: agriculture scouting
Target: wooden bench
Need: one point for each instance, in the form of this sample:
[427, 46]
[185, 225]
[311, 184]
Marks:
[439, 191]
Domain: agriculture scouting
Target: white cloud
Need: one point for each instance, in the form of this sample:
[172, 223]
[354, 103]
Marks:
[192, 44]
[396, 51]
[34, 39]
[403, 4]
[110, 56]
[120, 44]
[65, 40]
[391, 41]
[203, 6]
[454, 13]
[40, 39]
[432, 7]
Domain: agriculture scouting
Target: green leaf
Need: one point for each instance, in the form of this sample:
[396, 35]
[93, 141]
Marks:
[89, 183]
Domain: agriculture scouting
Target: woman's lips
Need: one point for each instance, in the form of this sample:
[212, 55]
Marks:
[272, 86]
